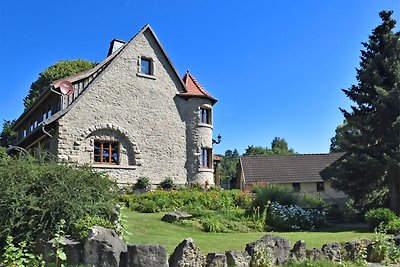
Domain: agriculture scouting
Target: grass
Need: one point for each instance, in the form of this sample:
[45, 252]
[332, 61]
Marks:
[147, 228]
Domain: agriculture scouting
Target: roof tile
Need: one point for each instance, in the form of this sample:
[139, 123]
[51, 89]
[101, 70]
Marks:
[288, 168]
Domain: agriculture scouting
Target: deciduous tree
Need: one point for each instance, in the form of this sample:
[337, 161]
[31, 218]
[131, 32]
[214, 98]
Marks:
[57, 71]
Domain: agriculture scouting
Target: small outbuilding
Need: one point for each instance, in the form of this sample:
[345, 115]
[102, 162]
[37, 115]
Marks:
[301, 172]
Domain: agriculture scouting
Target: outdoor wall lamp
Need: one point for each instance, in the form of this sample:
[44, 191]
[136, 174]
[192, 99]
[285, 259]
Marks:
[218, 140]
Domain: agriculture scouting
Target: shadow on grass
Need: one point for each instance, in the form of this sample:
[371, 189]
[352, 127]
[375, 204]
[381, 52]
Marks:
[356, 228]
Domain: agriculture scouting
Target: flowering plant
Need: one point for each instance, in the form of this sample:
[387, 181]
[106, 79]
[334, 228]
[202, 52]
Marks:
[294, 218]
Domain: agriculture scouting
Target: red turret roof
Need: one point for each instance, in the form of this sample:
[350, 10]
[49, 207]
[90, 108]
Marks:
[194, 88]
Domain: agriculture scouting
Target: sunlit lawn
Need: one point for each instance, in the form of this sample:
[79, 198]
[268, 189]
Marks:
[147, 228]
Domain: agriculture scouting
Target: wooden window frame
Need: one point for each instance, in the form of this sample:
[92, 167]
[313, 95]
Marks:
[109, 162]
[296, 187]
[320, 187]
[205, 115]
[206, 158]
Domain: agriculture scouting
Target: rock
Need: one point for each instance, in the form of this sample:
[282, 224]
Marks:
[314, 254]
[332, 251]
[270, 247]
[299, 251]
[103, 247]
[144, 255]
[397, 240]
[216, 260]
[238, 258]
[176, 216]
[73, 249]
[373, 255]
[186, 254]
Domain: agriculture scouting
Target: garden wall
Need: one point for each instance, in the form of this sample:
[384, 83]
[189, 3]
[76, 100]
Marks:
[103, 247]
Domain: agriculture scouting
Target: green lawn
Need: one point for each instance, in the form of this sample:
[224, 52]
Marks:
[147, 228]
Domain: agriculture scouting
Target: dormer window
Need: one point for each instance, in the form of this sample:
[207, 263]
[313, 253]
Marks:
[205, 115]
[146, 66]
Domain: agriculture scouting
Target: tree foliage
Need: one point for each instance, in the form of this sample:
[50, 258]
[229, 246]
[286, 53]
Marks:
[61, 69]
[228, 164]
[371, 132]
[7, 135]
[278, 146]
[37, 195]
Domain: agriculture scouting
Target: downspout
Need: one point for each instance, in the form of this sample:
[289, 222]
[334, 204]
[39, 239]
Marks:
[44, 130]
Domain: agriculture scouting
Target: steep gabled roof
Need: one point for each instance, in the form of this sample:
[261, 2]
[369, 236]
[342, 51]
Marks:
[89, 76]
[288, 168]
[194, 88]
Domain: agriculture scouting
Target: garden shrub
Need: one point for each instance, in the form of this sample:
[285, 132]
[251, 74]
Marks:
[285, 196]
[377, 216]
[167, 183]
[384, 248]
[159, 200]
[19, 255]
[393, 226]
[294, 218]
[36, 196]
[142, 183]
[81, 226]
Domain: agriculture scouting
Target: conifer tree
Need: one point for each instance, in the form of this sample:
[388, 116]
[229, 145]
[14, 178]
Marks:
[370, 134]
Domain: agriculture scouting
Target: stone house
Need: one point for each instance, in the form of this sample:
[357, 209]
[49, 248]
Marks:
[131, 116]
[301, 172]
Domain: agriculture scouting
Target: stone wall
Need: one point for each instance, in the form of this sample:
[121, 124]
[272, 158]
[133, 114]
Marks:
[103, 247]
[143, 113]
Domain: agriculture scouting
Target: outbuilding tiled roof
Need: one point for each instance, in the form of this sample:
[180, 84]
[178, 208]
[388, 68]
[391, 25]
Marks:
[294, 168]
[194, 88]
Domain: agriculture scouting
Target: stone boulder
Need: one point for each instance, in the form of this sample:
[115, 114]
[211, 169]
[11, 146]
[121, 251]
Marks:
[144, 255]
[270, 247]
[186, 254]
[299, 251]
[216, 260]
[103, 247]
[314, 254]
[397, 240]
[332, 251]
[176, 216]
[238, 258]
[73, 249]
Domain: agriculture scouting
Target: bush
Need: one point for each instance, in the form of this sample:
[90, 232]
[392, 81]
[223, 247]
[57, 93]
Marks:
[80, 227]
[285, 196]
[36, 196]
[375, 217]
[188, 200]
[167, 183]
[294, 218]
[393, 226]
[142, 183]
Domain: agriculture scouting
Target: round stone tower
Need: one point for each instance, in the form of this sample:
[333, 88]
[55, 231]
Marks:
[199, 132]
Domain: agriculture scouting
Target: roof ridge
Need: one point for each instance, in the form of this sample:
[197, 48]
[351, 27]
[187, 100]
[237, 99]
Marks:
[293, 155]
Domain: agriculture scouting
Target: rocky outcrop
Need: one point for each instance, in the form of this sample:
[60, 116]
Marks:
[299, 251]
[314, 254]
[332, 251]
[216, 260]
[103, 247]
[144, 255]
[186, 254]
[238, 258]
[176, 216]
[270, 247]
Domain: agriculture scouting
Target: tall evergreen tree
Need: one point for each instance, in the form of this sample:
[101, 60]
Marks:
[371, 132]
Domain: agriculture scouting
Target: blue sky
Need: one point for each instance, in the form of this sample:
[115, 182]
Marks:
[277, 67]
